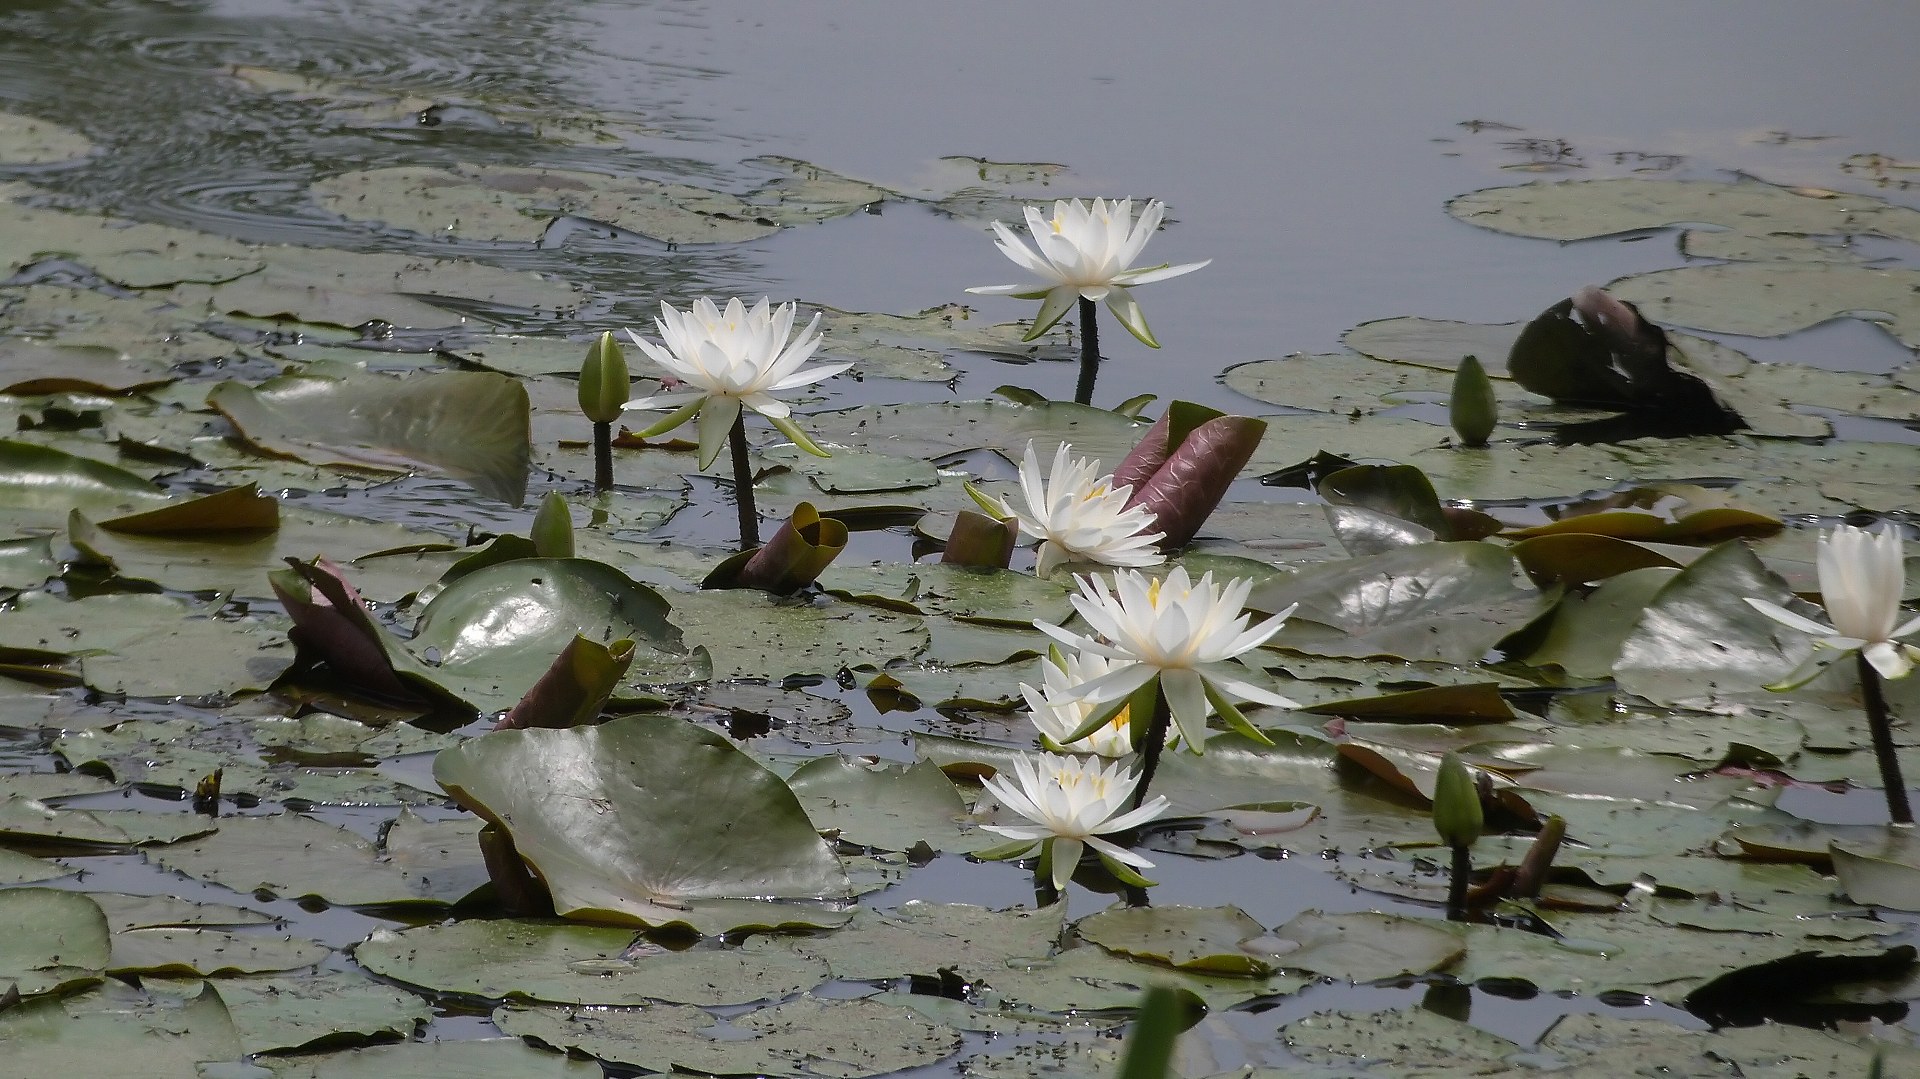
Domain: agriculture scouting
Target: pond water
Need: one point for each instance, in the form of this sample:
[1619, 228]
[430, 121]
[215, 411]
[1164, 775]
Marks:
[1307, 150]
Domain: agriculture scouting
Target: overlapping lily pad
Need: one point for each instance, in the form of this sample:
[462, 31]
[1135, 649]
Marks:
[564, 963]
[614, 819]
[802, 1038]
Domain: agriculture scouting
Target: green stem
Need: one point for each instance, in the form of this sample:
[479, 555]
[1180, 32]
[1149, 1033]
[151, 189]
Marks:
[1880, 726]
[1089, 353]
[1156, 741]
[1457, 883]
[603, 456]
[743, 484]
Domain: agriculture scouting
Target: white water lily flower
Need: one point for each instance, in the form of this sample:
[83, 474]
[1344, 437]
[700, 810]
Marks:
[1182, 632]
[1078, 515]
[1057, 710]
[728, 360]
[1862, 577]
[1084, 252]
[1072, 802]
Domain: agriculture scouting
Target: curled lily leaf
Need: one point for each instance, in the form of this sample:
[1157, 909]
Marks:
[1183, 467]
[793, 559]
[574, 689]
[980, 540]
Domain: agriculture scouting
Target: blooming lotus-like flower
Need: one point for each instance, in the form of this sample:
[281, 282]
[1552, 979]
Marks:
[1057, 711]
[1078, 515]
[1072, 801]
[731, 359]
[1862, 577]
[1184, 633]
[1084, 253]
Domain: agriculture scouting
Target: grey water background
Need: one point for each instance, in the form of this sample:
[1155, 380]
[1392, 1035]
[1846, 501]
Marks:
[1307, 149]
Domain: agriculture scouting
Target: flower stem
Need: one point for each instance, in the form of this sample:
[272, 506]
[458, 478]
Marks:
[1880, 725]
[1156, 740]
[603, 456]
[1089, 353]
[1461, 869]
[743, 484]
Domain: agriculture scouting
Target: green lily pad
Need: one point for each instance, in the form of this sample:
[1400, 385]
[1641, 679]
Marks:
[17, 868]
[480, 1058]
[25, 140]
[1364, 946]
[164, 754]
[1002, 596]
[1766, 299]
[165, 1035]
[23, 818]
[1413, 1041]
[1213, 940]
[803, 1038]
[564, 963]
[249, 854]
[1584, 209]
[177, 951]
[924, 938]
[325, 287]
[929, 431]
[608, 817]
[126, 912]
[462, 643]
[752, 635]
[886, 806]
[1447, 601]
[45, 786]
[469, 425]
[1586, 633]
[328, 1008]
[1885, 873]
[28, 367]
[58, 940]
[1698, 638]
[1091, 979]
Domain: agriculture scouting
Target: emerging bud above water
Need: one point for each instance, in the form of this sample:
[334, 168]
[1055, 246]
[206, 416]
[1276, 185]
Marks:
[1472, 409]
[1456, 804]
[604, 384]
[552, 531]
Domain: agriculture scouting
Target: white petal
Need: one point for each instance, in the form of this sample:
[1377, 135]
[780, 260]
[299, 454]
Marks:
[1787, 618]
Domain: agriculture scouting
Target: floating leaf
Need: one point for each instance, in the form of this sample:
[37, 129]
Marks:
[608, 817]
[56, 942]
[250, 854]
[328, 1009]
[165, 1035]
[178, 951]
[1884, 873]
[1444, 601]
[564, 963]
[1767, 299]
[925, 938]
[887, 806]
[1364, 946]
[470, 425]
[1209, 939]
[802, 1038]
[1584, 209]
